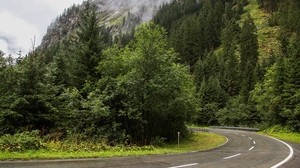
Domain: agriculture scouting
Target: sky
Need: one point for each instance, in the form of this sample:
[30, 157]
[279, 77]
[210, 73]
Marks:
[22, 21]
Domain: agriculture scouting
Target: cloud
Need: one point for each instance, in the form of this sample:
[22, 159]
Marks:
[63, 4]
[16, 33]
[3, 46]
[7, 44]
[33, 11]
[21, 20]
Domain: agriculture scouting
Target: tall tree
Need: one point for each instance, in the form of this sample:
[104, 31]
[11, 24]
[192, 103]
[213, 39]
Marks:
[292, 85]
[249, 57]
[29, 105]
[229, 77]
[186, 39]
[88, 46]
[153, 90]
[8, 85]
[211, 98]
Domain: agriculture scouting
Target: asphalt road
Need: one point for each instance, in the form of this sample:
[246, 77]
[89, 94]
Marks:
[295, 161]
[243, 149]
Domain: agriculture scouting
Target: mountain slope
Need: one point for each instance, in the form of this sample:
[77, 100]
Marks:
[120, 16]
[267, 35]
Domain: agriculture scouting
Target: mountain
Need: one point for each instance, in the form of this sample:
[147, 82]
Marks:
[119, 15]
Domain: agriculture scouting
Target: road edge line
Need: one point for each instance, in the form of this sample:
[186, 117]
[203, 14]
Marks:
[223, 143]
[212, 148]
[289, 156]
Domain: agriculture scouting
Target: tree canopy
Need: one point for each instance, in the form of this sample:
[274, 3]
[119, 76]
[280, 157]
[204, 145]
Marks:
[196, 62]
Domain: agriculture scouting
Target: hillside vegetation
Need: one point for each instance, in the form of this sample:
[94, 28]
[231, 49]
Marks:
[208, 62]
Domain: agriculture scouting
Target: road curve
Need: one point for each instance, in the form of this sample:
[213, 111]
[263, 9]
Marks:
[243, 149]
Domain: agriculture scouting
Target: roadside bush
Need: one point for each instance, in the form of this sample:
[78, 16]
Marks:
[92, 147]
[158, 141]
[74, 147]
[21, 141]
[279, 129]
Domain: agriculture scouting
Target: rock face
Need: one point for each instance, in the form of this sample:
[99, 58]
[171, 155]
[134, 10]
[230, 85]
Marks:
[142, 8]
[119, 15]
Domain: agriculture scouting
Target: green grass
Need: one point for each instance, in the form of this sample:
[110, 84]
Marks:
[282, 133]
[197, 142]
[290, 137]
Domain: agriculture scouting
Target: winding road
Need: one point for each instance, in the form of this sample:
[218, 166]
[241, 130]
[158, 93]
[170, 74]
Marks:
[243, 149]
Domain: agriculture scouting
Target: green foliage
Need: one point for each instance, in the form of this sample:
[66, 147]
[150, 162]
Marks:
[187, 39]
[90, 40]
[284, 133]
[21, 141]
[60, 150]
[288, 17]
[236, 113]
[249, 57]
[212, 97]
[9, 76]
[29, 105]
[195, 34]
[270, 5]
[145, 88]
[278, 95]
[209, 64]
[169, 13]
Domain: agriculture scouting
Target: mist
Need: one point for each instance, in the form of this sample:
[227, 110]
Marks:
[9, 44]
[144, 8]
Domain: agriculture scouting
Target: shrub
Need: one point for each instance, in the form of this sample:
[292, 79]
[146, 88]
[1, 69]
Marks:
[158, 141]
[21, 141]
[279, 129]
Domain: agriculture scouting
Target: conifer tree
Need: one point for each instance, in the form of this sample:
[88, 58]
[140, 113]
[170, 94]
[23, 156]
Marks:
[292, 85]
[88, 46]
[249, 57]
[211, 98]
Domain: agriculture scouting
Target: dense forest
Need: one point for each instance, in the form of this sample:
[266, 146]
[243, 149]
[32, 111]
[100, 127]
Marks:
[197, 62]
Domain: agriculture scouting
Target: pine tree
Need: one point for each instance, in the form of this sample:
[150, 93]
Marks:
[292, 85]
[249, 57]
[211, 98]
[30, 106]
[217, 22]
[88, 46]
[186, 39]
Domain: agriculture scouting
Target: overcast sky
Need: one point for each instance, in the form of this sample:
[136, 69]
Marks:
[22, 20]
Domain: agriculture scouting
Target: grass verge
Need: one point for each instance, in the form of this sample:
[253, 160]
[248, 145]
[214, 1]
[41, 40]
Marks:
[283, 134]
[290, 137]
[197, 142]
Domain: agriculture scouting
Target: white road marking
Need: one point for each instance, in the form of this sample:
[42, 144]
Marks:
[187, 165]
[223, 143]
[251, 148]
[254, 142]
[286, 159]
[243, 135]
[250, 138]
[229, 157]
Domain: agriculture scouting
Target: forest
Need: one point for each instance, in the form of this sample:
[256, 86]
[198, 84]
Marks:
[196, 62]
